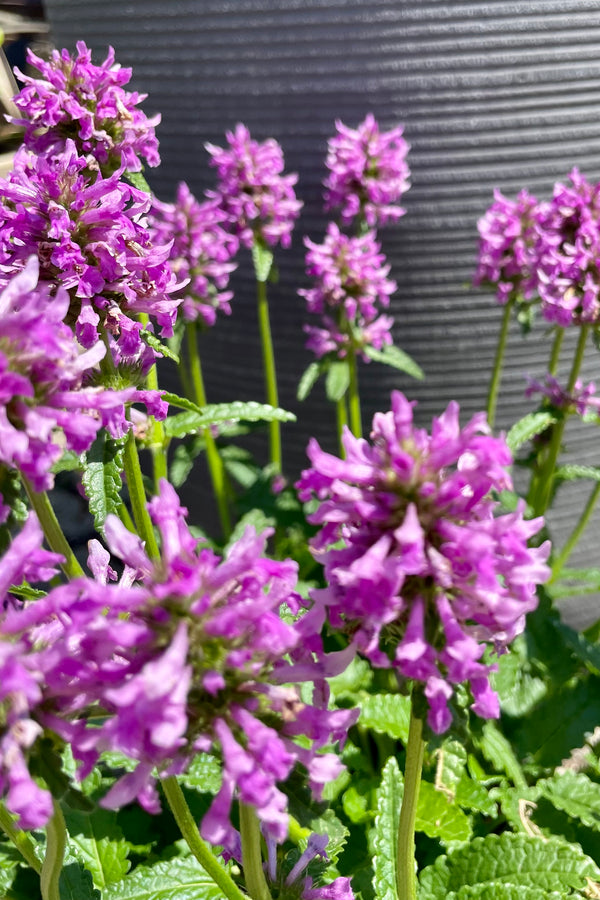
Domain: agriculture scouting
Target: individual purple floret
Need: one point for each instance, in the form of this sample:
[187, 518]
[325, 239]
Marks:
[297, 883]
[368, 172]
[45, 405]
[581, 399]
[90, 236]
[75, 99]
[427, 571]
[350, 281]
[201, 255]
[509, 244]
[258, 198]
[569, 258]
[184, 654]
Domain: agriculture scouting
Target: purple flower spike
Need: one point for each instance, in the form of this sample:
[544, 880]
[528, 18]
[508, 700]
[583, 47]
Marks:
[76, 99]
[259, 200]
[201, 253]
[421, 571]
[368, 172]
[581, 400]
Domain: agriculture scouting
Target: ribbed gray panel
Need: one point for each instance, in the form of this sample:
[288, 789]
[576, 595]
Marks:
[491, 93]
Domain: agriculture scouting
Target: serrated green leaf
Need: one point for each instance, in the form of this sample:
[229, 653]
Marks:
[574, 472]
[75, 883]
[180, 878]
[497, 891]
[97, 843]
[9, 861]
[451, 761]
[159, 346]
[218, 413]
[393, 356]
[498, 750]
[356, 803]
[509, 859]
[473, 795]
[137, 180]
[518, 690]
[386, 714]
[576, 795]
[586, 652]
[529, 427]
[440, 818]
[517, 806]
[308, 380]
[256, 518]
[101, 477]
[337, 380]
[262, 259]
[68, 462]
[183, 458]
[204, 774]
[385, 832]
[26, 592]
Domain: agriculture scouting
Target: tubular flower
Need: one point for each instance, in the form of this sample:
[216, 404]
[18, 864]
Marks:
[581, 400]
[77, 100]
[259, 200]
[351, 279]
[45, 405]
[90, 236]
[368, 172]
[569, 258]
[184, 654]
[427, 572]
[201, 253]
[509, 243]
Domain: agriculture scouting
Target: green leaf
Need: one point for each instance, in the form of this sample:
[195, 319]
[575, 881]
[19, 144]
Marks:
[385, 832]
[308, 380]
[438, 817]
[159, 346]
[97, 843]
[68, 462]
[204, 774]
[584, 650]
[451, 764]
[219, 413]
[337, 380]
[386, 714]
[517, 860]
[529, 427]
[397, 359]
[498, 750]
[473, 795]
[101, 477]
[517, 688]
[75, 883]
[262, 259]
[573, 472]
[497, 891]
[183, 458]
[137, 180]
[9, 861]
[180, 878]
[576, 795]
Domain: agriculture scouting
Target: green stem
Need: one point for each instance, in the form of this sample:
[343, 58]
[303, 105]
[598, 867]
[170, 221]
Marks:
[563, 556]
[158, 443]
[197, 845]
[53, 533]
[137, 496]
[353, 395]
[406, 865]
[56, 844]
[254, 875]
[342, 420]
[556, 347]
[545, 480]
[494, 389]
[20, 839]
[268, 355]
[215, 463]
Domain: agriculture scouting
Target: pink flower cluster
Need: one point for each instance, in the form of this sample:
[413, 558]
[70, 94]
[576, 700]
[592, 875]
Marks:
[351, 279]
[368, 172]
[201, 255]
[421, 570]
[545, 250]
[75, 99]
[183, 654]
[581, 399]
[252, 189]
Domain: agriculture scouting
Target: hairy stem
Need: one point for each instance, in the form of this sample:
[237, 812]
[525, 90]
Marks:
[353, 395]
[197, 845]
[22, 841]
[254, 875]
[158, 444]
[53, 533]
[563, 556]
[555, 352]
[406, 865]
[268, 355]
[137, 496]
[494, 388]
[215, 463]
[342, 420]
[56, 844]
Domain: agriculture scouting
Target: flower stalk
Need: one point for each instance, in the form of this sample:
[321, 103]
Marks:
[22, 841]
[137, 495]
[268, 356]
[406, 864]
[53, 532]
[256, 883]
[56, 844]
[494, 388]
